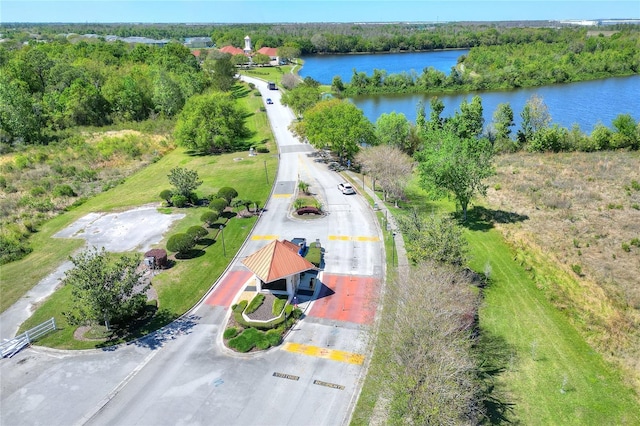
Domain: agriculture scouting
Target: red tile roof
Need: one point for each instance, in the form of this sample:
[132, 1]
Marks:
[233, 50]
[269, 51]
[277, 260]
[195, 53]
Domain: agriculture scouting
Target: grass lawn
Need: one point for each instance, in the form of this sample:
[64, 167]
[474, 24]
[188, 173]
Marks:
[554, 376]
[550, 374]
[180, 287]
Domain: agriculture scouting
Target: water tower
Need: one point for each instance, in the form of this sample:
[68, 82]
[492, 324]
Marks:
[247, 44]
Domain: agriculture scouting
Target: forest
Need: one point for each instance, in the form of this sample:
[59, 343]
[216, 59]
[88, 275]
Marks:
[578, 57]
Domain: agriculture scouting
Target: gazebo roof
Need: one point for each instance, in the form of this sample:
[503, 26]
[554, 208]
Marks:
[277, 260]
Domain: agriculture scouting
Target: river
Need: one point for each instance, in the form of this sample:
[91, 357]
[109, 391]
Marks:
[584, 103]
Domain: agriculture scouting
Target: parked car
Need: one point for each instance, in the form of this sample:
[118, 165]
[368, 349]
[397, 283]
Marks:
[346, 188]
[269, 101]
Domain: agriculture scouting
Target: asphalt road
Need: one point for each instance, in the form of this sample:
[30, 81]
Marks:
[184, 375]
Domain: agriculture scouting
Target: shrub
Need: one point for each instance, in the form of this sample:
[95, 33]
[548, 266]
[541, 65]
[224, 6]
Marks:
[635, 242]
[180, 243]
[298, 203]
[179, 200]
[218, 205]
[262, 149]
[303, 186]
[166, 195]
[278, 306]
[230, 333]
[577, 269]
[197, 233]
[635, 185]
[3, 182]
[274, 337]
[209, 217]
[255, 303]
[227, 193]
[626, 247]
[63, 191]
[37, 190]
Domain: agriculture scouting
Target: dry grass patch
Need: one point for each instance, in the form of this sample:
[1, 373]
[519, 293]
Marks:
[583, 217]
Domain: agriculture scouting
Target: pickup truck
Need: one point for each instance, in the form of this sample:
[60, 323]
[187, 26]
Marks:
[346, 188]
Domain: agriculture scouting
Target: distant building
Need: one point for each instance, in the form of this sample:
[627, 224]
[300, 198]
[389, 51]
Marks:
[272, 53]
[198, 42]
[232, 50]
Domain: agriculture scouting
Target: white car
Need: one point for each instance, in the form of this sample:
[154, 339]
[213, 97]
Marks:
[346, 188]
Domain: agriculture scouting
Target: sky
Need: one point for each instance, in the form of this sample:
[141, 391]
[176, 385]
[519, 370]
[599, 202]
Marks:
[266, 11]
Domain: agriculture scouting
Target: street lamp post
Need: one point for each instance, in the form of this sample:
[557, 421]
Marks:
[393, 250]
[224, 249]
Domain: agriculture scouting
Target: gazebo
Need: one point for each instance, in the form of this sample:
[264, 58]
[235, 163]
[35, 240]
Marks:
[277, 267]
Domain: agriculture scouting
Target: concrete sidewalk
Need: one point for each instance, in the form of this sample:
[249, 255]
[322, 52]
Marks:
[391, 225]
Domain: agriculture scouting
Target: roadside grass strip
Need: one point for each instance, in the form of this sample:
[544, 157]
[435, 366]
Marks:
[264, 237]
[331, 354]
[362, 239]
[228, 289]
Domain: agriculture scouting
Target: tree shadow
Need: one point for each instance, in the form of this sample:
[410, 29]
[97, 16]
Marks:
[191, 254]
[494, 355]
[206, 242]
[480, 218]
[171, 331]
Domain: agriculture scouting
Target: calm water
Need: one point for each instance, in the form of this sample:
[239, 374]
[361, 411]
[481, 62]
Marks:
[585, 103]
[323, 68]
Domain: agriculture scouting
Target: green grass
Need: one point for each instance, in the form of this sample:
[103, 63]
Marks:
[549, 355]
[268, 73]
[180, 287]
[550, 375]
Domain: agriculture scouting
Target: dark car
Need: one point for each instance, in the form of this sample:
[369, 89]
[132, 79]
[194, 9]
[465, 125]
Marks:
[269, 101]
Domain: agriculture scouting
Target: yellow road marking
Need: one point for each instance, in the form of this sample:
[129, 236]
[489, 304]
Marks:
[282, 195]
[332, 354]
[373, 239]
[264, 237]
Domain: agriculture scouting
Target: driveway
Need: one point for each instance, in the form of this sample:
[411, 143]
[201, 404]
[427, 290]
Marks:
[184, 375]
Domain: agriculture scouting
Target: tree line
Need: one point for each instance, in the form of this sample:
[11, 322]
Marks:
[508, 66]
[48, 87]
[321, 38]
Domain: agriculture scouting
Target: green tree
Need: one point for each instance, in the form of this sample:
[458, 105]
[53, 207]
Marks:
[184, 181]
[167, 95]
[288, 53]
[166, 195]
[625, 135]
[393, 129]
[210, 123]
[338, 125]
[227, 193]
[209, 218]
[468, 123]
[180, 243]
[503, 121]
[105, 288]
[434, 238]
[221, 71]
[261, 59]
[19, 119]
[218, 205]
[302, 97]
[450, 164]
[535, 116]
[197, 232]
[435, 117]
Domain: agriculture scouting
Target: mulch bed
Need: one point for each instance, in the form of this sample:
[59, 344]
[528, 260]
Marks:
[265, 311]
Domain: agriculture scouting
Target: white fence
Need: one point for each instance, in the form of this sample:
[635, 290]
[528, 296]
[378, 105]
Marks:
[9, 348]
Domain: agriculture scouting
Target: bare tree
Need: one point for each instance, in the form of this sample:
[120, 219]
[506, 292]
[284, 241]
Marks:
[390, 166]
[423, 352]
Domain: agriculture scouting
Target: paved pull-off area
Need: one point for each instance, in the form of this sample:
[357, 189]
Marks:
[183, 374]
